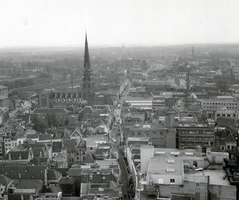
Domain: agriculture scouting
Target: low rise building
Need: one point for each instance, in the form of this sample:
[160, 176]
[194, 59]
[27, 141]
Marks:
[193, 134]
[161, 135]
[180, 174]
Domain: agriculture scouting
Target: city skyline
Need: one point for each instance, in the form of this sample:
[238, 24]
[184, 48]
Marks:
[108, 23]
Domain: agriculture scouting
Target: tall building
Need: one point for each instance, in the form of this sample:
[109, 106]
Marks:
[88, 86]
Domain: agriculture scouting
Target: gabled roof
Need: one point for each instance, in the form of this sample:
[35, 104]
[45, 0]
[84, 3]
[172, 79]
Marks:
[230, 138]
[17, 155]
[4, 180]
[173, 110]
[87, 109]
[76, 133]
[53, 174]
[91, 116]
[19, 147]
[89, 158]
[223, 135]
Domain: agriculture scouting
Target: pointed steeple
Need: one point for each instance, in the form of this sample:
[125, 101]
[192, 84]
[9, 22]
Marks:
[87, 55]
[88, 85]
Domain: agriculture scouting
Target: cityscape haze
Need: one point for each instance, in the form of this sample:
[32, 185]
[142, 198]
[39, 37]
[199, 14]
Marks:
[35, 23]
[119, 100]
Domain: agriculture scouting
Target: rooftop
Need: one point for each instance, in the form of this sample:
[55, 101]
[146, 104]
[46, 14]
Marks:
[164, 165]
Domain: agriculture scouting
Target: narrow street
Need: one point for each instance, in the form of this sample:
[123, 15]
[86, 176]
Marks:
[124, 178]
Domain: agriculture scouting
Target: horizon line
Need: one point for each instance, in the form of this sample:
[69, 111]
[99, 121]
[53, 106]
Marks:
[116, 45]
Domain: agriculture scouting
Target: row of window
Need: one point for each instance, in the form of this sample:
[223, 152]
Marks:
[215, 107]
[226, 115]
[146, 133]
[210, 103]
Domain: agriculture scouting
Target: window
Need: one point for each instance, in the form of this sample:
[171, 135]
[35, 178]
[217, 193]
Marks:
[160, 181]
[139, 133]
[195, 163]
[228, 147]
[172, 180]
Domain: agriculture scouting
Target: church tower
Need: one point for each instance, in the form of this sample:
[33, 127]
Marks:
[88, 86]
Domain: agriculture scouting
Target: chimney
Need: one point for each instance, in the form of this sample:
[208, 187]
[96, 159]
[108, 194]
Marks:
[45, 176]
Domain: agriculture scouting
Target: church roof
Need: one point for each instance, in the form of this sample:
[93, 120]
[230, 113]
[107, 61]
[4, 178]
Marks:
[50, 110]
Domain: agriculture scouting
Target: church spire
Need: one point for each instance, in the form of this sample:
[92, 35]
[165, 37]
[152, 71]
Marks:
[87, 55]
[88, 85]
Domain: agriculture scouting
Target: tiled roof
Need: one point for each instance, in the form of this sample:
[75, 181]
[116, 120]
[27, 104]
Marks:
[4, 180]
[87, 109]
[30, 184]
[74, 172]
[50, 110]
[19, 196]
[67, 180]
[230, 139]
[22, 172]
[63, 171]
[69, 143]
[53, 174]
[56, 146]
[45, 137]
[32, 136]
[17, 155]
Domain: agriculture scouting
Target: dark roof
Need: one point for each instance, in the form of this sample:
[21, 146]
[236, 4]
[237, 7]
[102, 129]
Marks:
[40, 161]
[30, 184]
[22, 171]
[45, 137]
[50, 110]
[181, 197]
[53, 174]
[74, 172]
[17, 155]
[18, 196]
[89, 158]
[230, 138]
[69, 143]
[63, 171]
[4, 180]
[32, 136]
[67, 180]
[56, 146]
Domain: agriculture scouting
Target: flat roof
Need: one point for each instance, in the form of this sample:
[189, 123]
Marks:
[217, 177]
[166, 165]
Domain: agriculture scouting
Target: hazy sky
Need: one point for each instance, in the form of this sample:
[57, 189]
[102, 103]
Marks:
[117, 22]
